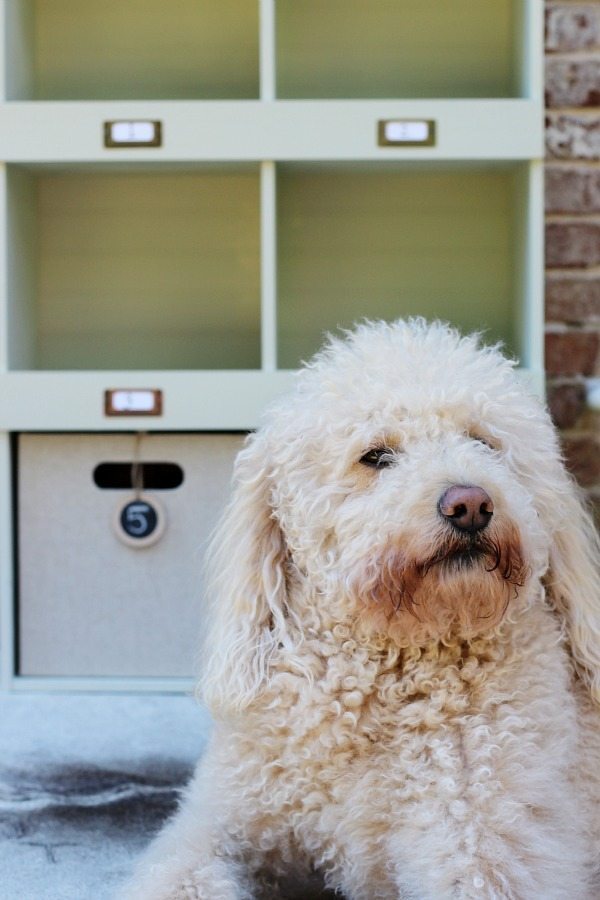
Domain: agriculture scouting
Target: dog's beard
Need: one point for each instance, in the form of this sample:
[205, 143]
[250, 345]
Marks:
[461, 588]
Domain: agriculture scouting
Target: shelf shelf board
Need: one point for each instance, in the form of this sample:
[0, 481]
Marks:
[193, 401]
[100, 684]
[200, 131]
[212, 400]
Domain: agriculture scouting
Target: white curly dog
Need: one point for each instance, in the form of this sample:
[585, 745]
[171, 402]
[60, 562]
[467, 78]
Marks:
[403, 658]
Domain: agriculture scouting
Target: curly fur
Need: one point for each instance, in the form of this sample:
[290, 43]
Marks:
[401, 711]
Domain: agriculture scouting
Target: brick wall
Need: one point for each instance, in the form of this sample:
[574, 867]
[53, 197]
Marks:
[573, 229]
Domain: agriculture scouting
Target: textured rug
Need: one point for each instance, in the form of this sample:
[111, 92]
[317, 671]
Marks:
[85, 782]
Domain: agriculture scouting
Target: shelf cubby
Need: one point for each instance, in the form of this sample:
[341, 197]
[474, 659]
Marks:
[148, 269]
[417, 48]
[131, 49]
[389, 241]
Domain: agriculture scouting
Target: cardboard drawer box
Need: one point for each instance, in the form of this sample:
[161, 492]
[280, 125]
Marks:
[92, 600]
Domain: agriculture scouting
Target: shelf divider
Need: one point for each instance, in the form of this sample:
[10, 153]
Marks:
[4, 237]
[16, 35]
[532, 285]
[268, 265]
[7, 609]
[267, 49]
[530, 47]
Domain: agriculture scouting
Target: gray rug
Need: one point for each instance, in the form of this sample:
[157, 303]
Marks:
[85, 781]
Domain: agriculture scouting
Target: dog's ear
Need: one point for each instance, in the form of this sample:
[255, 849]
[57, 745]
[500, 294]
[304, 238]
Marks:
[246, 588]
[574, 581]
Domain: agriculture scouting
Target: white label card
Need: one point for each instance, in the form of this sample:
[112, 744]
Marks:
[399, 132]
[133, 133]
[406, 132]
[133, 401]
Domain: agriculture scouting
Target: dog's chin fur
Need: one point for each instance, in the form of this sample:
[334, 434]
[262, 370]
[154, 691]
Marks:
[461, 590]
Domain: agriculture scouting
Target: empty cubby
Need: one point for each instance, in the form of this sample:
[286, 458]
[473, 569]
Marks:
[432, 240]
[131, 49]
[140, 269]
[383, 48]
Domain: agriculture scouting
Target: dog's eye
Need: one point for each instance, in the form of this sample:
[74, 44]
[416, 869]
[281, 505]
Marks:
[487, 442]
[378, 458]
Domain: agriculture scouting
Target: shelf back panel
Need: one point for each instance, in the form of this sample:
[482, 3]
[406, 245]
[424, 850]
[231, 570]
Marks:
[416, 48]
[142, 49]
[436, 243]
[156, 271]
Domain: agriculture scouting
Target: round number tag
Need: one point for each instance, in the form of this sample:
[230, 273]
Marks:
[140, 522]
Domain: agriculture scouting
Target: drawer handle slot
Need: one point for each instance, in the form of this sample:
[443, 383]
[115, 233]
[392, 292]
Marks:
[155, 476]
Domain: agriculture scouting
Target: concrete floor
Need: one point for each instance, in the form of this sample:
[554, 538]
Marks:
[85, 781]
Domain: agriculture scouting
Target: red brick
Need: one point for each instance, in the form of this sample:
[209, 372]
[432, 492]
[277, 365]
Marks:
[566, 403]
[582, 457]
[572, 189]
[572, 244]
[575, 26]
[575, 301]
[573, 136]
[572, 82]
[572, 352]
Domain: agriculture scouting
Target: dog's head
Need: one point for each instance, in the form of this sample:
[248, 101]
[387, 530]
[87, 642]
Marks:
[411, 488]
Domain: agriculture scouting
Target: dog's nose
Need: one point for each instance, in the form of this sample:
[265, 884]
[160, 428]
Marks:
[467, 507]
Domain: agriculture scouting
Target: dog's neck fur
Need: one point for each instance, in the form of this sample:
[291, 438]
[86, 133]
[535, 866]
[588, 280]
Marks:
[323, 627]
[339, 688]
